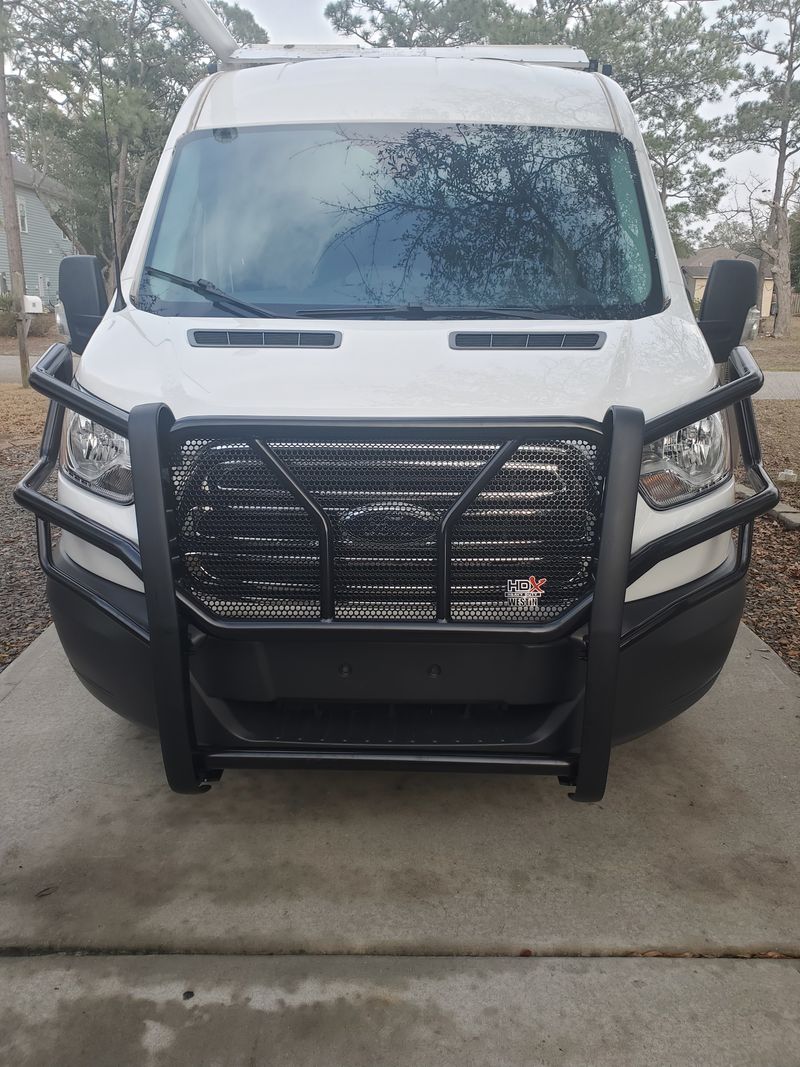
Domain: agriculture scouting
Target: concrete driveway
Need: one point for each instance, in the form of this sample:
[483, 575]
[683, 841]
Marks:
[9, 364]
[9, 368]
[282, 917]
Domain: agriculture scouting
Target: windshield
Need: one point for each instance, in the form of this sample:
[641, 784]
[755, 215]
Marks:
[296, 219]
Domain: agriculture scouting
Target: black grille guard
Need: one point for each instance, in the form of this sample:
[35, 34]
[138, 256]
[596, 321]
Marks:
[152, 429]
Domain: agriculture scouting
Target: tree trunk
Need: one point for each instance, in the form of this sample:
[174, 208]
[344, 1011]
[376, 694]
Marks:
[778, 228]
[664, 190]
[764, 265]
[66, 227]
[771, 245]
[781, 273]
[8, 197]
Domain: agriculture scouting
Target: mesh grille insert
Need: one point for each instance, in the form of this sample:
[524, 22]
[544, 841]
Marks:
[535, 521]
[249, 550]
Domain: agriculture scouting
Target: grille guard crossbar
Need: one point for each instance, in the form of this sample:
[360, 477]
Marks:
[152, 431]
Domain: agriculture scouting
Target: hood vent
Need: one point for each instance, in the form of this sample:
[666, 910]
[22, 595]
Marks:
[570, 341]
[265, 338]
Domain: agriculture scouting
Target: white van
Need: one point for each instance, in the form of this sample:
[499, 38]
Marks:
[400, 444]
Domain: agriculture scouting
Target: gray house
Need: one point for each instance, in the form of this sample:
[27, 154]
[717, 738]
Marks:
[43, 243]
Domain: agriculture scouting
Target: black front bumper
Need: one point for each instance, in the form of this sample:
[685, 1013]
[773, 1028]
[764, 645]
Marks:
[550, 698]
[413, 701]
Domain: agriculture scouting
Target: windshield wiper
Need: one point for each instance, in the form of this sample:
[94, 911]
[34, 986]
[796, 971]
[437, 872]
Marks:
[216, 296]
[430, 311]
[512, 311]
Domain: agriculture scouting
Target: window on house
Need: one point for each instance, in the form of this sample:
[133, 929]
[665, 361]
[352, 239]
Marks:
[22, 212]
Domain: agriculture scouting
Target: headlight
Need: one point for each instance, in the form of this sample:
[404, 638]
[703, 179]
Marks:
[96, 458]
[687, 463]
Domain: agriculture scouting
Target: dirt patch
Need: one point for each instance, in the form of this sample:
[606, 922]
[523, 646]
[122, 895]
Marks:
[24, 613]
[773, 590]
[773, 593]
[779, 431]
[22, 414]
[775, 353]
[37, 346]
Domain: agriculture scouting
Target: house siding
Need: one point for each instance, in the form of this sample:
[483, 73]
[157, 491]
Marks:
[700, 266]
[43, 248]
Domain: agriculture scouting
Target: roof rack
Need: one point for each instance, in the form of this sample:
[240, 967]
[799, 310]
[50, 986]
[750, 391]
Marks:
[231, 54]
[541, 55]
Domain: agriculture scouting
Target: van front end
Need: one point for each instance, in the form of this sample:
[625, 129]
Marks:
[401, 444]
[346, 592]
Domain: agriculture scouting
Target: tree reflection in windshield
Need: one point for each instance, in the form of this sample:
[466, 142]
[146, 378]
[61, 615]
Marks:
[466, 214]
[495, 214]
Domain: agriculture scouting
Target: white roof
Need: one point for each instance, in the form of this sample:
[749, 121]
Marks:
[406, 89]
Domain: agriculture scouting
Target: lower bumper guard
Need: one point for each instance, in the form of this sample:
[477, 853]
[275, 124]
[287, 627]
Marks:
[191, 767]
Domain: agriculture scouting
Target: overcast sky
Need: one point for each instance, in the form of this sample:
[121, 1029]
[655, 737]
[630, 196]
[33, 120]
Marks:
[303, 22]
[292, 21]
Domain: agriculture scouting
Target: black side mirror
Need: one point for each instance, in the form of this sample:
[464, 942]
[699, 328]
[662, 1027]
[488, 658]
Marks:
[731, 291]
[82, 291]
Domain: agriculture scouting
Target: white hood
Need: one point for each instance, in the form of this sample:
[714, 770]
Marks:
[396, 369]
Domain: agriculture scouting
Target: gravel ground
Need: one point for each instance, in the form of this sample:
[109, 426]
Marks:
[24, 612]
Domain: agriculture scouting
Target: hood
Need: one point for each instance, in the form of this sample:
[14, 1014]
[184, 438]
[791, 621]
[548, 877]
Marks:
[397, 369]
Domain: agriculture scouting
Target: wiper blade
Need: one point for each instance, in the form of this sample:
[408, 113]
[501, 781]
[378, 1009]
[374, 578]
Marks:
[216, 296]
[511, 311]
[430, 311]
[365, 310]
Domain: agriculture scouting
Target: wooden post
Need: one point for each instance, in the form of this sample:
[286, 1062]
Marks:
[8, 199]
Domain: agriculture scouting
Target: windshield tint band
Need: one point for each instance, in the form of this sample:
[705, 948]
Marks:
[302, 216]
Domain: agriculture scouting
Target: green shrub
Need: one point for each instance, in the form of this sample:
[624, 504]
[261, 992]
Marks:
[40, 325]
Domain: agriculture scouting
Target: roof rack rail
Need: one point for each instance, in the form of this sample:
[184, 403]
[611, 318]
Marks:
[202, 18]
[540, 55]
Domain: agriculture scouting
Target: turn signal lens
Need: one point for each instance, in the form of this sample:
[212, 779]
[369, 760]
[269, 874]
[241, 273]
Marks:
[96, 458]
[751, 324]
[61, 323]
[687, 463]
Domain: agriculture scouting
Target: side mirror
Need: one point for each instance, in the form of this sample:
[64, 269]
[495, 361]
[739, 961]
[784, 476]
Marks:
[82, 291]
[731, 293]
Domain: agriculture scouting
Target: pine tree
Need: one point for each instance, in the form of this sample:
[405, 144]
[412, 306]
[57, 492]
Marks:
[150, 59]
[669, 59]
[768, 117]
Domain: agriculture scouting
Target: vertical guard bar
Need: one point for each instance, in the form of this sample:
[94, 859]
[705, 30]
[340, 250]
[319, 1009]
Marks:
[148, 427]
[626, 429]
[749, 443]
[318, 518]
[482, 479]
